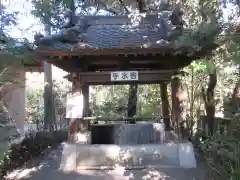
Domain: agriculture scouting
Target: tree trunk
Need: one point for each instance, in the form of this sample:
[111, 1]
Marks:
[178, 107]
[208, 97]
[48, 98]
[236, 95]
[132, 101]
[48, 94]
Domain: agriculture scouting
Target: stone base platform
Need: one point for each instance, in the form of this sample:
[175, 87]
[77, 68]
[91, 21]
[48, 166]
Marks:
[86, 156]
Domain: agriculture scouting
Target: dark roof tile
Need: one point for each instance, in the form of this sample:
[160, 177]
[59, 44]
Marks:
[118, 32]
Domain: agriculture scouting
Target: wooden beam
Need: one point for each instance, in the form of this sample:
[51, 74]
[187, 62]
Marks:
[145, 77]
[105, 59]
[110, 67]
[152, 66]
[163, 50]
[105, 51]
[116, 62]
[144, 62]
[114, 118]
[113, 62]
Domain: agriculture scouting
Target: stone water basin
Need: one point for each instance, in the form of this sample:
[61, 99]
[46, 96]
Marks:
[120, 133]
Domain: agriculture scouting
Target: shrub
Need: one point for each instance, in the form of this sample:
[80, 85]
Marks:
[33, 145]
[222, 152]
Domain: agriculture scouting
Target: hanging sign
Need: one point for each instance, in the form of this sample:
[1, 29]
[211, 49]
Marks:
[74, 106]
[124, 76]
[146, 92]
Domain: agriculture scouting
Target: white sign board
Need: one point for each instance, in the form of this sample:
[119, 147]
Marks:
[74, 106]
[124, 76]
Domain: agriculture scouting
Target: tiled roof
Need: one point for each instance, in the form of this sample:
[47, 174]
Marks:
[112, 32]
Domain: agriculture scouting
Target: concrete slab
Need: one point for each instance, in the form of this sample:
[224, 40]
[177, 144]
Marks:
[68, 157]
[186, 155]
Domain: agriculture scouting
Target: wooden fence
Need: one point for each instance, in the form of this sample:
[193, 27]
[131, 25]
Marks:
[220, 125]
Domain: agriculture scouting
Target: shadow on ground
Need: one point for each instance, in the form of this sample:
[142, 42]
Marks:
[49, 169]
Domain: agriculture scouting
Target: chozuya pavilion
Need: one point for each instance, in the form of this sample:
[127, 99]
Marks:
[108, 50]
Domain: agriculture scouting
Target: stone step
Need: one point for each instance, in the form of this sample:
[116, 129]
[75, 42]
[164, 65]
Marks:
[153, 173]
[129, 156]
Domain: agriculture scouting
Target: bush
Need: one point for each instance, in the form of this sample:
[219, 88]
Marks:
[33, 145]
[222, 152]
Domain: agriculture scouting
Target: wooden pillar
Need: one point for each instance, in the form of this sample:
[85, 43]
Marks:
[85, 92]
[177, 106]
[165, 105]
[132, 102]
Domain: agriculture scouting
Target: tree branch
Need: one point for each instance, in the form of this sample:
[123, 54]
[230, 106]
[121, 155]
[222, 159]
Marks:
[101, 4]
[72, 16]
[97, 9]
[204, 96]
[212, 82]
[124, 6]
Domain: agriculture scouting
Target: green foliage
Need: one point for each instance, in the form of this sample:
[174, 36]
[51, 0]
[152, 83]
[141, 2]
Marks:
[113, 100]
[204, 19]
[235, 53]
[33, 100]
[66, 3]
[211, 68]
[222, 152]
[31, 146]
[44, 10]
[110, 101]
[204, 35]
[7, 18]
[197, 66]
[50, 13]
[7, 62]
[60, 92]
[16, 51]
[6, 78]
[35, 107]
